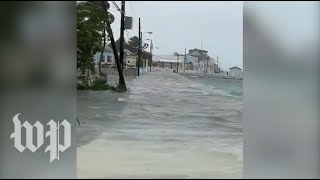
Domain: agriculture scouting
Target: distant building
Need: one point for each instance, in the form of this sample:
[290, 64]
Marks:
[235, 71]
[196, 59]
[168, 61]
[191, 62]
[200, 54]
[205, 63]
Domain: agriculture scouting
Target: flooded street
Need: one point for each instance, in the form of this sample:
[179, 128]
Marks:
[166, 126]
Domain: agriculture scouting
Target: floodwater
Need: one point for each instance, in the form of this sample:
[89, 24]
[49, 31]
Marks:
[166, 126]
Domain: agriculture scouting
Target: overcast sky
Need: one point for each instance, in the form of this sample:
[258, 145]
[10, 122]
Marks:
[179, 25]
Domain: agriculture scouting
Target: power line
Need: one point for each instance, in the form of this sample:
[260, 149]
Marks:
[115, 4]
[117, 7]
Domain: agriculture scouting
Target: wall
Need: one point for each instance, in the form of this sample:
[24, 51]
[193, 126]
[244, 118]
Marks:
[114, 71]
[235, 72]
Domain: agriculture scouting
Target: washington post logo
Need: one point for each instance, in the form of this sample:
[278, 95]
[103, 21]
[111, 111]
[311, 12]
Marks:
[54, 146]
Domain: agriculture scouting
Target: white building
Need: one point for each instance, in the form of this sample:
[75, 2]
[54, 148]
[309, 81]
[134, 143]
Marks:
[108, 57]
[168, 61]
[191, 62]
[235, 71]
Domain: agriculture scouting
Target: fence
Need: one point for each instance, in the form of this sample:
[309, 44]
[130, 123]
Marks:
[114, 71]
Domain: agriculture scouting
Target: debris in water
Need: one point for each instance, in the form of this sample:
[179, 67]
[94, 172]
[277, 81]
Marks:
[121, 99]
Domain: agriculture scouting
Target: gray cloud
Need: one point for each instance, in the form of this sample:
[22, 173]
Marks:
[179, 25]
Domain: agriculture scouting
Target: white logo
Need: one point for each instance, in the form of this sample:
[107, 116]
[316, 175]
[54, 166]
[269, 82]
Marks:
[54, 147]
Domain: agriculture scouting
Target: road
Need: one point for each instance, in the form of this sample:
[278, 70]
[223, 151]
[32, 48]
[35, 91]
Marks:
[166, 126]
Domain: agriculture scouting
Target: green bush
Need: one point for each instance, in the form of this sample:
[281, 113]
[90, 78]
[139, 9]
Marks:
[99, 84]
[81, 87]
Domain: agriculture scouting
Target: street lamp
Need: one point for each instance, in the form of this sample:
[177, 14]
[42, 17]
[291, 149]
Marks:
[152, 57]
[218, 64]
[141, 33]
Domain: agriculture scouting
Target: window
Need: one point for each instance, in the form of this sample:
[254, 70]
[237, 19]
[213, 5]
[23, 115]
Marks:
[109, 58]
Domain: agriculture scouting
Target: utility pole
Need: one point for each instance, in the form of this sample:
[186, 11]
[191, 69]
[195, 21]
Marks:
[212, 63]
[218, 64]
[185, 58]
[139, 49]
[122, 82]
[151, 47]
[123, 7]
[103, 48]
[177, 62]
[207, 65]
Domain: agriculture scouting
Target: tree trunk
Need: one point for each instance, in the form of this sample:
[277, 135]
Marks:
[122, 83]
[102, 51]
[87, 79]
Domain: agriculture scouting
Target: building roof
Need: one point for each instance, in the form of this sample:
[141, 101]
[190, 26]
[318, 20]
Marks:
[108, 50]
[200, 50]
[195, 53]
[235, 67]
[208, 57]
[127, 51]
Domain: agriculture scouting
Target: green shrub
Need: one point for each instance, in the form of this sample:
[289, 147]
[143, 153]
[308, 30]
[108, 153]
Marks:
[99, 84]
